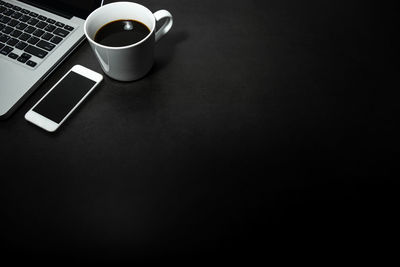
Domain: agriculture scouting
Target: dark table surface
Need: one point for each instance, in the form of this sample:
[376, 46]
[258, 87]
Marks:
[262, 123]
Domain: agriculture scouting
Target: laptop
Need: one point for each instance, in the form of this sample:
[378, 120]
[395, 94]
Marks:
[36, 36]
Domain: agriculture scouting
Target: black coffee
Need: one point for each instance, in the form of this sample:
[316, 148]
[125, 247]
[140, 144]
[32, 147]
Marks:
[121, 33]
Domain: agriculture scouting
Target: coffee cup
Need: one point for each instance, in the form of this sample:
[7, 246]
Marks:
[127, 61]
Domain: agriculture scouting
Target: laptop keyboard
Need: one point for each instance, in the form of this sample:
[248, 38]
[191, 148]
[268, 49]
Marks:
[28, 37]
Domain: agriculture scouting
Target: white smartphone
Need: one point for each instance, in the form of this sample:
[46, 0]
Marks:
[63, 98]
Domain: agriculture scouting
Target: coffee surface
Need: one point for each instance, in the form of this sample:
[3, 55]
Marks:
[121, 33]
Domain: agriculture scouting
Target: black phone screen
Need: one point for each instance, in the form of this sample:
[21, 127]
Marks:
[64, 97]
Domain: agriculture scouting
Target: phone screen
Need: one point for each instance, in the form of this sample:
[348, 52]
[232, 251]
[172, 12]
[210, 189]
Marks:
[64, 97]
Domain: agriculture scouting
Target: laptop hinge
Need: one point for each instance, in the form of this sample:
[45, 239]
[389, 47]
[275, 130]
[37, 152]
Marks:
[52, 10]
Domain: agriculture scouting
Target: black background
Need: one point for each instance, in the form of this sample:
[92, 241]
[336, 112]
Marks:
[77, 8]
[263, 127]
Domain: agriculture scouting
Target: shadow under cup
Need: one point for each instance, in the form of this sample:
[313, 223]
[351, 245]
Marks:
[125, 63]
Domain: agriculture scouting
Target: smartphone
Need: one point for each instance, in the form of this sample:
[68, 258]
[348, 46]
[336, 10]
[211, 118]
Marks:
[63, 98]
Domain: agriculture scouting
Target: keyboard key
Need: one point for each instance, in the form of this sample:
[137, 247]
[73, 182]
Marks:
[7, 30]
[16, 33]
[16, 15]
[12, 23]
[59, 24]
[33, 40]
[5, 19]
[25, 55]
[22, 59]
[12, 55]
[50, 28]
[51, 21]
[21, 45]
[35, 51]
[24, 18]
[38, 32]
[21, 26]
[56, 40]
[45, 45]
[29, 29]
[6, 50]
[4, 38]
[2, 9]
[47, 36]
[24, 36]
[31, 63]
[68, 28]
[12, 42]
[61, 32]
[32, 21]
[33, 14]
[8, 12]
[42, 17]
[41, 25]
[2, 26]
[8, 5]
[17, 8]
[25, 11]
[1, 45]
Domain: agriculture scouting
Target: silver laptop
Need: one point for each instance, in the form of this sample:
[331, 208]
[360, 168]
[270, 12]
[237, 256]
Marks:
[35, 37]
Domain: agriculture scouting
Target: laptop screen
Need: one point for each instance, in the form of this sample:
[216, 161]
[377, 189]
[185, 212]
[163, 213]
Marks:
[69, 8]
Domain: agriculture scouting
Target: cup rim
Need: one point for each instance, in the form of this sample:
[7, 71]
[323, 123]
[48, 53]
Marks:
[117, 47]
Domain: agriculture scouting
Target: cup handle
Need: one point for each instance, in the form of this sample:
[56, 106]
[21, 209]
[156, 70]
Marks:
[159, 15]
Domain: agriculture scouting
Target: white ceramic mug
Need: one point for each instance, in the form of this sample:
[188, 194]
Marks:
[131, 62]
